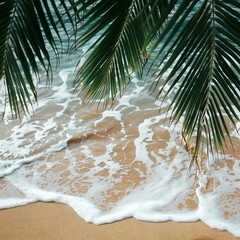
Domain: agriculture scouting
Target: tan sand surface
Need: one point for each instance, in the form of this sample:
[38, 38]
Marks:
[52, 221]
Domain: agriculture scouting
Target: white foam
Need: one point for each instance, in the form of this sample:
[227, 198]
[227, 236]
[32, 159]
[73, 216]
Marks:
[99, 177]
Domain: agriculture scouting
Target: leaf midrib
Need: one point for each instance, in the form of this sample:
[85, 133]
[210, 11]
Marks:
[9, 33]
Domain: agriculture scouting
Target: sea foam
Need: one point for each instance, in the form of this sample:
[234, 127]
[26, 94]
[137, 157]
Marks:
[124, 161]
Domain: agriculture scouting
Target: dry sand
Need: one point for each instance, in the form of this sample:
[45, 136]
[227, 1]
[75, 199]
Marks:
[52, 221]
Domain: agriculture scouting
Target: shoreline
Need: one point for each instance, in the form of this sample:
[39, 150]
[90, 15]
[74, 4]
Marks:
[55, 221]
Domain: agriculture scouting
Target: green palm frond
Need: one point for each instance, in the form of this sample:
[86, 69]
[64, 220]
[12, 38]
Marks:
[26, 28]
[194, 46]
[201, 47]
[122, 29]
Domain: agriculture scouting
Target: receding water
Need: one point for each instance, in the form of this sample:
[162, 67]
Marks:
[114, 163]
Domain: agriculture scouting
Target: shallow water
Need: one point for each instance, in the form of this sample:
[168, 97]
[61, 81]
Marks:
[114, 163]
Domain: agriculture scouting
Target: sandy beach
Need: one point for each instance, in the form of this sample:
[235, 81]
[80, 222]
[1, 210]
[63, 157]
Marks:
[43, 221]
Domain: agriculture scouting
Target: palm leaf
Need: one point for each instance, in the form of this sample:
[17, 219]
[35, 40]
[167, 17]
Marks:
[201, 47]
[198, 41]
[26, 28]
[122, 29]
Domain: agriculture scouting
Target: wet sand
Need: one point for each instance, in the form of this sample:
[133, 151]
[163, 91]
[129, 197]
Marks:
[53, 221]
